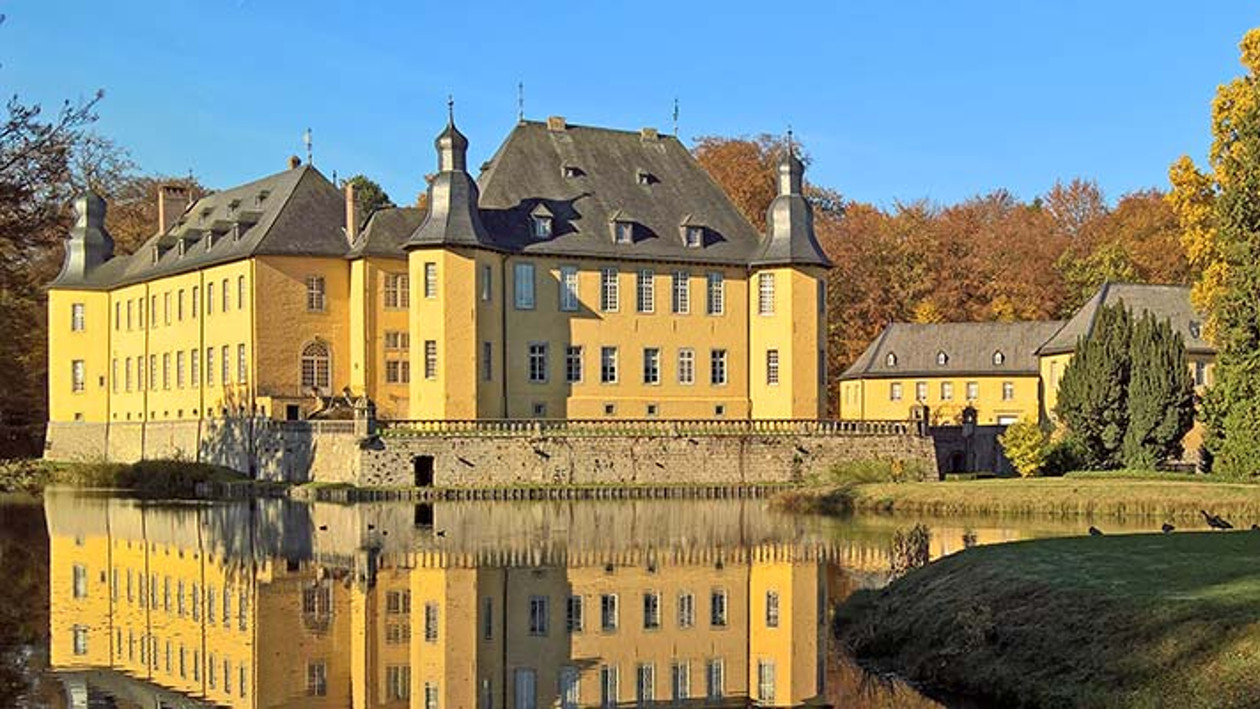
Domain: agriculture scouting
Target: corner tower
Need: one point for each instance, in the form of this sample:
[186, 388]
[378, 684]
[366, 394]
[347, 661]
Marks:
[787, 309]
[455, 276]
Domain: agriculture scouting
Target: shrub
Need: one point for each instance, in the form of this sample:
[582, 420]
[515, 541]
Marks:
[1063, 456]
[1026, 446]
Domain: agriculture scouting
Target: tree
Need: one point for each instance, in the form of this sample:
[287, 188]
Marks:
[1161, 394]
[1093, 395]
[1026, 445]
[1220, 219]
[368, 197]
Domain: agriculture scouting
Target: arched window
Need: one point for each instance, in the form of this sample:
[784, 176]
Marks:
[316, 367]
[891, 359]
[998, 357]
[942, 359]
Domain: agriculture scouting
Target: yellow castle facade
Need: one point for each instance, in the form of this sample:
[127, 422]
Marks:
[588, 273]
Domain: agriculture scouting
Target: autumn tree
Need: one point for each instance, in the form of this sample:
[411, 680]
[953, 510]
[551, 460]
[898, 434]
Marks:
[1220, 218]
[747, 170]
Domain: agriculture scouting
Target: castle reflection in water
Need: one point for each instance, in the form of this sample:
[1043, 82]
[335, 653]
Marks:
[274, 603]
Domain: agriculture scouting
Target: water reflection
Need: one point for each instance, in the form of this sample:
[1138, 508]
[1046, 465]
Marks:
[272, 603]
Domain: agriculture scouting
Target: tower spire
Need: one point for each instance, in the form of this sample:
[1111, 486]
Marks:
[450, 109]
[306, 138]
[675, 116]
[520, 101]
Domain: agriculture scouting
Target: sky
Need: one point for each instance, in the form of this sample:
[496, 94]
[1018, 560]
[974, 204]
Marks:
[894, 101]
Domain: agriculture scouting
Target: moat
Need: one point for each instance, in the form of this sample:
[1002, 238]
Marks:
[273, 602]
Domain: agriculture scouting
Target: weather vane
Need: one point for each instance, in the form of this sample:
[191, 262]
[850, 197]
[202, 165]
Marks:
[306, 138]
[520, 101]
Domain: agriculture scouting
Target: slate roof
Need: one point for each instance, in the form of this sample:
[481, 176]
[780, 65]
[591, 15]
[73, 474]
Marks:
[587, 177]
[297, 212]
[386, 231]
[1171, 302]
[969, 349]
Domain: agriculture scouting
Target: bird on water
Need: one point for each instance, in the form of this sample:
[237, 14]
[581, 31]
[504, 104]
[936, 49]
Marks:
[1215, 521]
[1094, 531]
[1168, 528]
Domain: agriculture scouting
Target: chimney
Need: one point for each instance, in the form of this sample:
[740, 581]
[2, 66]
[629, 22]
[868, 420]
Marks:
[649, 134]
[294, 162]
[352, 217]
[172, 203]
[556, 124]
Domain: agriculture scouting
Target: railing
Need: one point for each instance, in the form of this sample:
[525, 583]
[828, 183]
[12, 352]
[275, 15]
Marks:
[314, 426]
[647, 427]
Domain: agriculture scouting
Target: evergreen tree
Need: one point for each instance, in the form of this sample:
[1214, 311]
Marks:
[1161, 394]
[1093, 394]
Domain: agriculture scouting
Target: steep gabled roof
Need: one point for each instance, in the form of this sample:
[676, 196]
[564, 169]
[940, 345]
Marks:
[584, 176]
[386, 231]
[969, 349]
[1164, 301]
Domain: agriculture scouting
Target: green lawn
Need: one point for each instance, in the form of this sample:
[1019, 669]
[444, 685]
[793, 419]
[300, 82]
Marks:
[1136, 620]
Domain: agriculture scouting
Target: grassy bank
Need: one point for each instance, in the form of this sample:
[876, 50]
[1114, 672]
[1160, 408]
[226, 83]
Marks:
[1137, 620]
[149, 478]
[1087, 495]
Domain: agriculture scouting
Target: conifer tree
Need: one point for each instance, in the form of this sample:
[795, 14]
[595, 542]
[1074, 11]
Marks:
[1093, 394]
[1160, 396]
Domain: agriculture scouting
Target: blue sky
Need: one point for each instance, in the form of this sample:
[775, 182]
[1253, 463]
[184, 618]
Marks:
[895, 100]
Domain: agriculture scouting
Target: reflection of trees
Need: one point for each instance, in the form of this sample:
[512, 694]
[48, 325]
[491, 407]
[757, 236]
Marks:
[23, 602]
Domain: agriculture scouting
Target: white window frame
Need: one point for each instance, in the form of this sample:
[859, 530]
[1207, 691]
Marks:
[608, 365]
[539, 616]
[719, 608]
[772, 367]
[894, 391]
[920, 391]
[609, 289]
[536, 364]
[765, 294]
[78, 376]
[430, 280]
[569, 300]
[573, 364]
[686, 366]
[1008, 391]
[947, 391]
[686, 610]
[973, 391]
[78, 317]
[540, 226]
[609, 614]
[430, 359]
[719, 373]
[316, 295]
[645, 291]
[523, 285]
[680, 293]
[652, 365]
[715, 293]
[397, 291]
[772, 609]
[651, 610]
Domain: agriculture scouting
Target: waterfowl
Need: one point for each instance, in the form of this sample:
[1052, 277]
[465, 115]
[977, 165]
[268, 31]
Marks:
[1094, 531]
[1168, 528]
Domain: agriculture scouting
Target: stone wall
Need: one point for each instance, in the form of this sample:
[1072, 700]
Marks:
[473, 461]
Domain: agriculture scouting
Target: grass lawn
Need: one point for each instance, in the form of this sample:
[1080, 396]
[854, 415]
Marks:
[1124, 620]
[149, 478]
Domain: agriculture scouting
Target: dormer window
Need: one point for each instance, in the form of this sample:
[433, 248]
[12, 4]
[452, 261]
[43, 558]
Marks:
[205, 213]
[262, 196]
[693, 236]
[623, 232]
[182, 246]
[156, 254]
[232, 206]
[571, 171]
[999, 358]
[644, 177]
[237, 231]
[209, 240]
[942, 359]
[540, 226]
[890, 360]
[1196, 329]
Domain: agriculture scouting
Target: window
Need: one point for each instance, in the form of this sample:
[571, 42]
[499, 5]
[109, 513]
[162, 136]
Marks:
[608, 365]
[179, 369]
[397, 682]
[942, 359]
[715, 294]
[80, 581]
[623, 232]
[645, 301]
[487, 618]
[717, 609]
[397, 371]
[210, 297]
[890, 360]
[315, 300]
[397, 340]
[569, 688]
[686, 366]
[540, 227]
[772, 609]
[765, 294]
[973, 391]
[1196, 329]
[538, 615]
[680, 302]
[397, 633]
[430, 622]
[227, 299]
[894, 391]
[210, 368]
[1200, 373]
[397, 289]
[166, 370]
[608, 612]
[487, 361]
[686, 610]
[609, 296]
[430, 279]
[430, 359]
[772, 367]
[651, 365]
[999, 358]
[179, 305]
[430, 695]
[610, 409]
[537, 362]
[920, 391]
[573, 363]
[717, 367]
[1008, 391]
[574, 620]
[242, 365]
[227, 365]
[194, 304]
[487, 282]
[523, 275]
[240, 292]
[77, 317]
[117, 315]
[693, 237]
[166, 308]
[947, 391]
[127, 374]
[651, 611]
[316, 678]
[80, 640]
[316, 366]
[680, 682]
[645, 684]
[569, 288]
[78, 375]
[397, 602]
[113, 374]
[608, 686]
[765, 680]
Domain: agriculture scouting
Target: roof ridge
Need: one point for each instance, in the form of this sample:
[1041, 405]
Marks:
[297, 184]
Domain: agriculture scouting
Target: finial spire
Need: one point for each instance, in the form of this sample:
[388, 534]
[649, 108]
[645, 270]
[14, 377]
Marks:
[306, 138]
[450, 109]
[520, 101]
[675, 116]
[791, 146]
